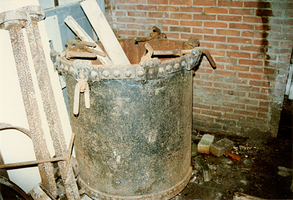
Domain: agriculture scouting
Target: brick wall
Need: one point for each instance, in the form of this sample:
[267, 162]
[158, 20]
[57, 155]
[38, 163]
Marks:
[251, 41]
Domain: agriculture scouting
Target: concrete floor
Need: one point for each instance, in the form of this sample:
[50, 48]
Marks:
[257, 173]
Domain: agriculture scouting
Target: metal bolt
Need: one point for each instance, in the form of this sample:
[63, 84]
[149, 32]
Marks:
[151, 72]
[127, 73]
[94, 74]
[176, 66]
[161, 70]
[116, 73]
[191, 61]
[168, 68]
[194, 52]
[106, 73]
[71, 70]
[183, 63]
[140, 73]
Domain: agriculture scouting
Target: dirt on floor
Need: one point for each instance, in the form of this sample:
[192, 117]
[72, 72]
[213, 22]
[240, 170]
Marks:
[264, 171]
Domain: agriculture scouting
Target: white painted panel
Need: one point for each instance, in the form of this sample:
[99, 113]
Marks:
[47, 3]
[53, 33]
[104, 31]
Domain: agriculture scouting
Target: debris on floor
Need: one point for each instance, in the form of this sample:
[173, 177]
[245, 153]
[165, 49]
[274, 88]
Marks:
[205, 143]
[202, 167]
[219, 148]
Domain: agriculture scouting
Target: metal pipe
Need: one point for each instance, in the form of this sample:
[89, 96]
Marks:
[14, 21]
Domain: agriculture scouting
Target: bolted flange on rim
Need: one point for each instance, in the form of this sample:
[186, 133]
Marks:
[13, 17]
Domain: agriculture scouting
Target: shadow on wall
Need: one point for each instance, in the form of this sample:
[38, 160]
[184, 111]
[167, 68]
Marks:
[264, 11]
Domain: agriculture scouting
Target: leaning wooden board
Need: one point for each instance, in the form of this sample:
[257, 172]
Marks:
[104, 31]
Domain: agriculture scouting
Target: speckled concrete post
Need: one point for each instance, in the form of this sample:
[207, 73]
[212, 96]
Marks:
[14, 21]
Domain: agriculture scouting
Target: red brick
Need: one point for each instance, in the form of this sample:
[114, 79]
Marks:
[234, 93]
[224, 85]
[190, 23]
[127, 32]
[257, 70]
[247, 88]
[191, 9]
[157, 15]
[238, 54]
[207, 44]
[137, 14]
[230, 3]
[244, 112]
[241, 11]
[179, 29]
[168, 8]
[146, 21]
[137, 1]
[226, 46]
[216, 10]
[229, 18]
[266, 91]
[203, 30]
[233, 116]
[265, 104]
[126, 7]
[205, 3]
[215, 24]
[181, 2]
[120, 13]
[213, 90]
[216, 52]
[222, 109]
[204, 17]
[158, 2]
[172, 35]
[250, 48]
[202, 106]
[227, 32]
[225, 72]
[239, 40]
[259, 96]
[250, 62]
[204, 70]
[186, 36]
[263, 115]
[214, 38]
[257, 108]
[237, 68]
[261, 42]
[205, 83]
[269, 71]
[253, 4]
[250, 75]
[255, 19]
[180, 16]
[168, 22]
[148, 8]
[248, 101]
[234, 105]
[262, 27]
[241, 26]
[195, 110]
[126, 20]
[254, 34]
[135, 26]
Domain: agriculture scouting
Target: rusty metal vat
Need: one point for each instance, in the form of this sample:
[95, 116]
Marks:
[134, 140]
